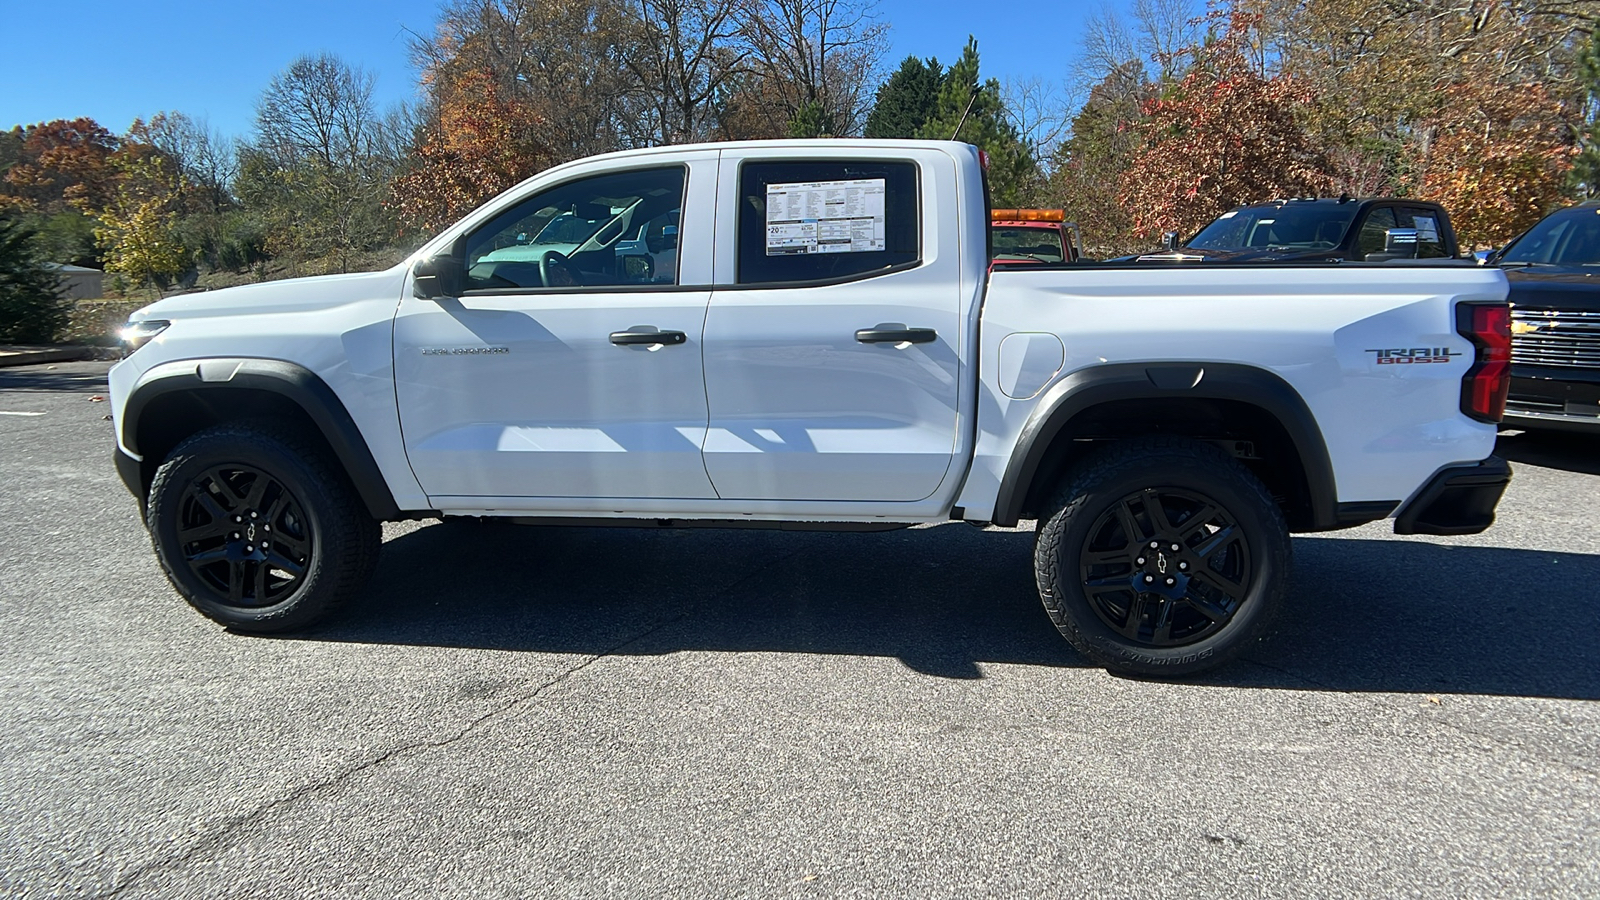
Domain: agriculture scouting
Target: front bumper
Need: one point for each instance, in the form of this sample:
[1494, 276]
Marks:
[1456, 500]
[131, 473]
[1549, 397]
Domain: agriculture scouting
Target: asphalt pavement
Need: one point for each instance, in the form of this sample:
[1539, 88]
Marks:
[587, 712]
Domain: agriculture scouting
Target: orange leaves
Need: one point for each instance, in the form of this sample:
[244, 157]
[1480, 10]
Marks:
[1497, 158]
[482, 144]
[1222, 136]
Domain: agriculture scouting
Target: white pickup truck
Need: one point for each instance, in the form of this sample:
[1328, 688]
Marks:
[808, 334]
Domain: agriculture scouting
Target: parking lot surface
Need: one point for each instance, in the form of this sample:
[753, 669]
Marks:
[589, 712]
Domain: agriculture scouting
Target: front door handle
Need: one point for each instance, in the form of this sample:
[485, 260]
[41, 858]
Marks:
[897, 335]
[648, 337]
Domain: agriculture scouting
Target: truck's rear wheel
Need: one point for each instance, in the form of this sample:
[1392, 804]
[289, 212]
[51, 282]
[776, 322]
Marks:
[1162, 556]
[257, 530]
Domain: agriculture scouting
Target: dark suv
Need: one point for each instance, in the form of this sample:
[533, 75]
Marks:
[1373, 229]
[1554, 270]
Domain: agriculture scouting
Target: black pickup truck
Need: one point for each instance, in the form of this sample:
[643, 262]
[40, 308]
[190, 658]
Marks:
[1554, 271]
[1373, 229]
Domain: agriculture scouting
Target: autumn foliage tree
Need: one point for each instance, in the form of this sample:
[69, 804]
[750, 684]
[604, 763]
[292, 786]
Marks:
[138, 223]
[482, 144]
[1497, 159]
[1224, 135]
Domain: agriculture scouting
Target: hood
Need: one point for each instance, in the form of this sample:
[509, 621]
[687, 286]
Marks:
[1554, 288]
[290, 295]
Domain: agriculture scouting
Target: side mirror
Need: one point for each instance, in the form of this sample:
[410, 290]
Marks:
[1169, 241]
[1400, 243]
[438, 276]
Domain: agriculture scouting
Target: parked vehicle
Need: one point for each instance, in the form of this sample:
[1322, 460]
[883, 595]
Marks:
[1343, 229]
[1023, 237]
[1554, 270]
[829, 350]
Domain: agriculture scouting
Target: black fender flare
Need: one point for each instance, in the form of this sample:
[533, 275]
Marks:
[293, 382]
[1168, 380]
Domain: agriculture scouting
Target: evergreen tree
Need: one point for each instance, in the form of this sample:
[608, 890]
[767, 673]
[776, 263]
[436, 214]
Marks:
[1012, 168]
[32, 310]
[907, 100]
[1585, 176]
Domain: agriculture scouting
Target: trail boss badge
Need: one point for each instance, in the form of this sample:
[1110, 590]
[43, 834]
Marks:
[1414, 355]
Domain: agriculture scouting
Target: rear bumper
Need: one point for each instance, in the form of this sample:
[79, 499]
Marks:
[1456, 500]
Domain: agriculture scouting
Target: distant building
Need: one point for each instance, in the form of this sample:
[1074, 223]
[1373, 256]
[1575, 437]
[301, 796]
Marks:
[79, 283]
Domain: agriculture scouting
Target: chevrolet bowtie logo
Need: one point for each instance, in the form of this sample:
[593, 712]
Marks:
[1526, 327]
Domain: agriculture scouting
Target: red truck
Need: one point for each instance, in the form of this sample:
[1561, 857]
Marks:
[1023, 237]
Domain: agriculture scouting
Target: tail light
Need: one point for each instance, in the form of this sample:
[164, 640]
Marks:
[1484, 387]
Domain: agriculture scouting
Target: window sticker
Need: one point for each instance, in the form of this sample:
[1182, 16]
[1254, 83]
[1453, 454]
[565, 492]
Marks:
[825, 217]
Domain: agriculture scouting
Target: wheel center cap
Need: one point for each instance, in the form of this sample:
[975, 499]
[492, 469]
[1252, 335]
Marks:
[1161, 560]
[251, 534]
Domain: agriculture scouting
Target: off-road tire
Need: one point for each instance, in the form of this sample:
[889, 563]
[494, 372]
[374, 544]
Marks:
[1096, 594]
[270, 469]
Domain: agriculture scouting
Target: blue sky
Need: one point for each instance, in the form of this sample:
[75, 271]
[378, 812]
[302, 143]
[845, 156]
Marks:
[113, 61]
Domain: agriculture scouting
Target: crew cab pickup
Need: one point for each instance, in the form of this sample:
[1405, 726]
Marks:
[1327, 229]
[824, 347]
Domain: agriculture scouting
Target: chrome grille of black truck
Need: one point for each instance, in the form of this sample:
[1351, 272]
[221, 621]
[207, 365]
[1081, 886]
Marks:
[1554, 337]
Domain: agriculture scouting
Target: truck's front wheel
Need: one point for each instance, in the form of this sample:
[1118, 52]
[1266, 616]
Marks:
[257, 529]
[1162, 556]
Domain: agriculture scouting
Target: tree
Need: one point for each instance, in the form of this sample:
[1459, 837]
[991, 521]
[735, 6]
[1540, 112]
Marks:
[1088, 166]
[565, 60]
[483, 143]
[1222, 136]
[32, 310]
[681, 53]
[1585, 177]
[812, 60]
[318, 171]
[973, 112]
[907, 100]
[1497, 159]
[138, 227]
[61, 164]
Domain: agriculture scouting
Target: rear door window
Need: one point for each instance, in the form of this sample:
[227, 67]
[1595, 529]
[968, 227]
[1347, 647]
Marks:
[819, 221]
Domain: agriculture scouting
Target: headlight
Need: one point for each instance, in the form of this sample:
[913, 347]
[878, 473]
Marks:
[137, 334]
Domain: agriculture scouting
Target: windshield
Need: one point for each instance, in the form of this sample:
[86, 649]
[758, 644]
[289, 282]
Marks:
[1042, 244]
[1318, 226]
[1570, 238]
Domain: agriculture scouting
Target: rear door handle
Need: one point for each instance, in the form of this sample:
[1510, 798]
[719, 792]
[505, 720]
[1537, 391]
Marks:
[648, 337]
[897, 335]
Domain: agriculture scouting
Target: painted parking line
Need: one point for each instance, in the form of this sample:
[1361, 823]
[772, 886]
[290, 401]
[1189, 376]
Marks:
[4, 412]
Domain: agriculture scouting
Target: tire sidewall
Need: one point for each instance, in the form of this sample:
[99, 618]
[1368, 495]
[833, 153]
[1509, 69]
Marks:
[260, 452]
[1083, 503]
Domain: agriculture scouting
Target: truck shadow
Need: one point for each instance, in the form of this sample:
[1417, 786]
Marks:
[1364, 615]
[87, 377]
[1568, 451]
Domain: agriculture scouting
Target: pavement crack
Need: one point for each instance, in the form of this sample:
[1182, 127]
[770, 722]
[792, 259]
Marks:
[221, 836]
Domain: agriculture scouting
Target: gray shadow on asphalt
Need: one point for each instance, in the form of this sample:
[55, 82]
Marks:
[1363, 615]
[65, 377]
[1567, 451]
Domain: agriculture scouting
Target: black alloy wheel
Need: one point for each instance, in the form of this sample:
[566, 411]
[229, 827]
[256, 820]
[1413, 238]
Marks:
[244, 534]
[1165, 567]
[1162, 556]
